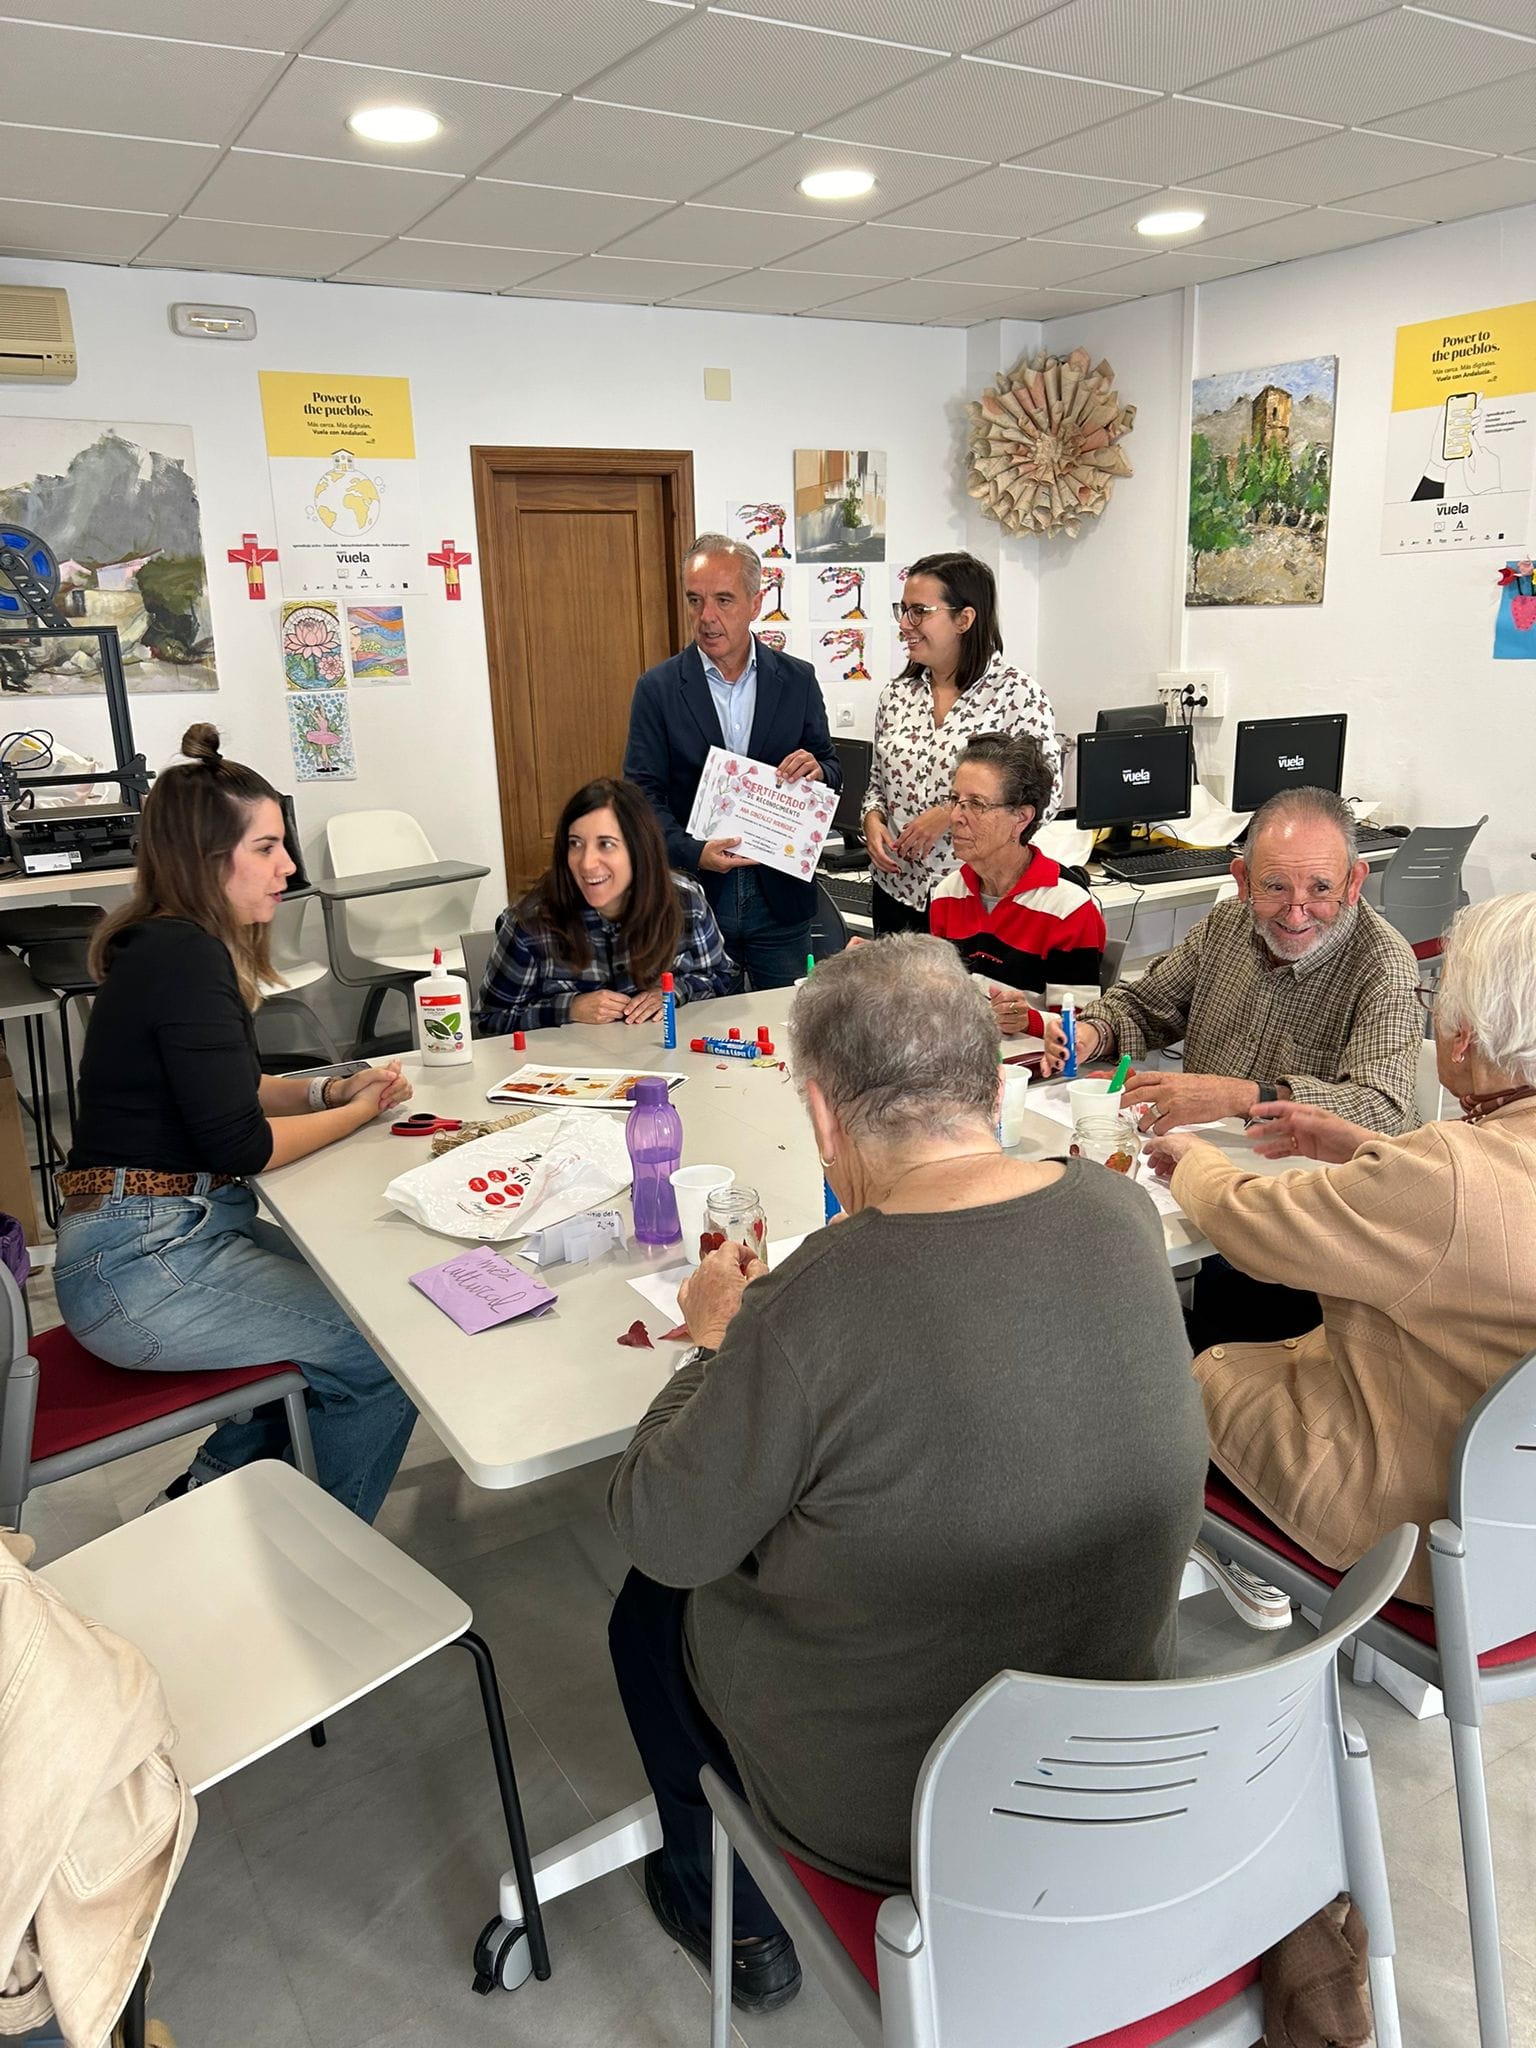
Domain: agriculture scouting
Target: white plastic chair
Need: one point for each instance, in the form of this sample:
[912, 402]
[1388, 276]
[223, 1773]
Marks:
[265, 1606]
[1086, 1855]
[299, 970]
[1478, 1646]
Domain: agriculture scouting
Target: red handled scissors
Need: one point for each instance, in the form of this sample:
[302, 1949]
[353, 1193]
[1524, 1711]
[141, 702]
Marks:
[424, 1125]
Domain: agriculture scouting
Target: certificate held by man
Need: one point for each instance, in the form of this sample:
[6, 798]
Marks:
[782, 825]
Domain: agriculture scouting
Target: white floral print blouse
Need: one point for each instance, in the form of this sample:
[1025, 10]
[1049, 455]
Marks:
[914, 759]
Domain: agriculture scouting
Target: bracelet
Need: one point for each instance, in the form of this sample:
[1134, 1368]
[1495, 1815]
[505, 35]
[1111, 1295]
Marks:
[317, 1088]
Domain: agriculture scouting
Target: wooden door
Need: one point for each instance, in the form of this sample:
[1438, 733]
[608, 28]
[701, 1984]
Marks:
[582, 555]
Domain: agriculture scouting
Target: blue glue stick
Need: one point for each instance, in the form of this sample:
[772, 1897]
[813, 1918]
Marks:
[1069, 1032]
[728, 1048]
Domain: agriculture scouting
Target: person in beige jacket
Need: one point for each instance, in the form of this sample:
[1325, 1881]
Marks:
[1420, 1249]
[94, 1821]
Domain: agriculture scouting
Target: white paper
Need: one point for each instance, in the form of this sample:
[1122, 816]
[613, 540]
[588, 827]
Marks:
[660, 1288]
[578, 1239]
[1210, 823]
[780, 825]
[1067, 845]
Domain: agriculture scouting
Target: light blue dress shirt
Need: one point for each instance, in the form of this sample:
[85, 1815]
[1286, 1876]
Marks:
[735, 703]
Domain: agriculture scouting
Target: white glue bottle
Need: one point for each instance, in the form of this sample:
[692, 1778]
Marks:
[442, 1016]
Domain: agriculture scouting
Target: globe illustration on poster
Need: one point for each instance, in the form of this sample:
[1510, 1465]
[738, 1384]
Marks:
[347, 501]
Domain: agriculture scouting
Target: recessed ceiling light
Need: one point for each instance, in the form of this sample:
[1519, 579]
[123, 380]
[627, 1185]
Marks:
[1181, 221]
[394, 124]
[837, 184]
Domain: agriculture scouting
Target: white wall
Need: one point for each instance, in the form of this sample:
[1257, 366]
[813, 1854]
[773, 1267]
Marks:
[1437, 729]
[490, 371]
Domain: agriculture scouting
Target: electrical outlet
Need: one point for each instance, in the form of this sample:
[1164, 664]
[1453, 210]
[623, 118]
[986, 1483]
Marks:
[1198, 691]
[844, 717]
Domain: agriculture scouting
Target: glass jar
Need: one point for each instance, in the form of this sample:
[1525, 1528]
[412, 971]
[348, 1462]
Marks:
[735, 1215]
[1107, 1135]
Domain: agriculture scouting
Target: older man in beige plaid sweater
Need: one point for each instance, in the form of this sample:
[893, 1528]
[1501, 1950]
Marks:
[1297, 991]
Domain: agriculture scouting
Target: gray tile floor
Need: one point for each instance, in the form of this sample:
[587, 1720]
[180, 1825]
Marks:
[332, 1897]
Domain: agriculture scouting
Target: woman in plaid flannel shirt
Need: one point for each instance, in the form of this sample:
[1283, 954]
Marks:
[591, 940]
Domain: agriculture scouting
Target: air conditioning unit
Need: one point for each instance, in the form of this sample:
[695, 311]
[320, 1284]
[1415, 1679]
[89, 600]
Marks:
[37, 339]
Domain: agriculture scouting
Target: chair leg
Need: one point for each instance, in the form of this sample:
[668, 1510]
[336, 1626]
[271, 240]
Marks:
[296, 1408]
[1482, 1897]
[317, 1735]
[69, 1064]
[511, 1806]
[721, 1887]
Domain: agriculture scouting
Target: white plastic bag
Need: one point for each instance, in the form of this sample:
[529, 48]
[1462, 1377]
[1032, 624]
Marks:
[579, 1161]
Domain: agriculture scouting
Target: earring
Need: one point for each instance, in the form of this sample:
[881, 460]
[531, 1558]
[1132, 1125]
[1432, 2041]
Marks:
[825, 1163]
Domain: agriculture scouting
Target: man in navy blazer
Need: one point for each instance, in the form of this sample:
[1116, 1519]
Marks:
[728, 690]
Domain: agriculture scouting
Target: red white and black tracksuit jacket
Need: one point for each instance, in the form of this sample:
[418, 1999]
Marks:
[1044, 930]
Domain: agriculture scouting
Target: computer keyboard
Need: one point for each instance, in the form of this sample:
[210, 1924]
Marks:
[1168, 864]
[1371, 839]
[851, 893]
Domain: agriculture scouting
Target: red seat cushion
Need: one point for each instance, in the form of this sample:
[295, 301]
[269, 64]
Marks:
[850, 1912]
[81, 1399]
[1222, 1498]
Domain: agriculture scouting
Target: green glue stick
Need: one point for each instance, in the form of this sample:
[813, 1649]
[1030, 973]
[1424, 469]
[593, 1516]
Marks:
[810, 965]
[1120, 1073]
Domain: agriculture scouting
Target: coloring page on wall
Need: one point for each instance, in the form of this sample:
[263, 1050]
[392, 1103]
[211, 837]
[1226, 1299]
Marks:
[898, 576]
[376, 640]
[841, 595]
[1260, 479]
[761, 523]
[320, 736]
[1462, 436]
[341, 452]
[776, 637]
[312, 651]
[777, 601]
[851, 664]
[839, 504]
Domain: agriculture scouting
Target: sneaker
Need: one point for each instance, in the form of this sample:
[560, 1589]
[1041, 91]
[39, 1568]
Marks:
[1260, 1604]
[174, 1491]
[764, 1974]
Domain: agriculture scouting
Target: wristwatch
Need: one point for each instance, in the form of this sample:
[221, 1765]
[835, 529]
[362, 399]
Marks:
[1268, 1092]
[699, 1355]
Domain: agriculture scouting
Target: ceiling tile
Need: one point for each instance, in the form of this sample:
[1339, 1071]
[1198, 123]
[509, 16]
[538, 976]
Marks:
[57, 165]
[1515, 15]
[774, 291]
[555, 48]
[1029, 266]
[1167, 44]
[1006, 201]
[937, 24]
[1169, 272]
[915, 301]
[992, 110]
[1373, 68]
[306, 113]
[624, 280]
[901, 176]
[1173, 142]
[451, 266]
[115, 85]
[630, 149]
[1311, 233]
[87, 233]
[1454, 195]
[724, 234]
[1049, 305]
[875, 250]
[267, 252]
[300, 192]
[1224, 214]
[1501, 116]
[536, 216]
[744, 67]
[1337, 168]
[275, 25]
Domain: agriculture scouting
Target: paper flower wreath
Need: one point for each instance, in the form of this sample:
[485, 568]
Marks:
[1042, 443]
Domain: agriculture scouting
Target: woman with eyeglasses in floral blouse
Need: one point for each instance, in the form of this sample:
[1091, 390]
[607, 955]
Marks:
[955, 685]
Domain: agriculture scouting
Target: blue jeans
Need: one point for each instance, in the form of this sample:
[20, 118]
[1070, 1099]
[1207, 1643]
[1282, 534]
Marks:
[771, 954]
[181, 1283]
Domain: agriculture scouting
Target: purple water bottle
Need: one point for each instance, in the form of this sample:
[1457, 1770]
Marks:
[654, 1135]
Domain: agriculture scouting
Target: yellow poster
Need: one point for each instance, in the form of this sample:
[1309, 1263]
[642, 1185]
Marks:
[342, 456]
[1462, 435]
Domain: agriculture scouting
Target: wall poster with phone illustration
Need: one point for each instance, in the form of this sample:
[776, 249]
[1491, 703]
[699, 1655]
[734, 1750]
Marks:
[1462, 436]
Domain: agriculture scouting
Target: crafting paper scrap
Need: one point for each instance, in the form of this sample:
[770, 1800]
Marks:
[479, 1289]
[312, 658]
[376, 634]
[320, 735]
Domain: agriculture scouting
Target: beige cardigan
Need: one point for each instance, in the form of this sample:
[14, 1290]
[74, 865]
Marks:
[1423, 1250]
[94, 1821]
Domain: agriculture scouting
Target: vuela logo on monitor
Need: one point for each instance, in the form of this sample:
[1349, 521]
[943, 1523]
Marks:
[1140, 776]
[1296, 761]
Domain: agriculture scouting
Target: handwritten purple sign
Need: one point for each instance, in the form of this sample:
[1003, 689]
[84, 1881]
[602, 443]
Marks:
[479, 1290]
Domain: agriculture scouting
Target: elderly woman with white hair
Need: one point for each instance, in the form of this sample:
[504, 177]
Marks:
[919, 1452]
[1420, 1248]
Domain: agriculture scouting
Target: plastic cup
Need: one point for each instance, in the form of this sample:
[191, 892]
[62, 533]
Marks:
[1082, 1095]
[693, 1186]
[1015, 1084]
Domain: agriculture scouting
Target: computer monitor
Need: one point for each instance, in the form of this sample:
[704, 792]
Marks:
[857, 757]
[1287, 753]
[1133, 778]
[1130, 718]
